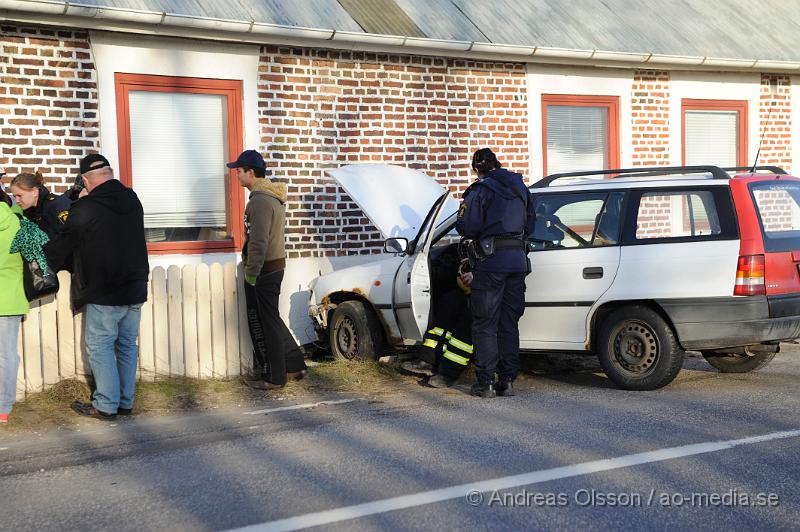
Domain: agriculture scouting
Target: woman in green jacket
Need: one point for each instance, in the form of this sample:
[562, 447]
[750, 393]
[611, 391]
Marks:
[13, 306]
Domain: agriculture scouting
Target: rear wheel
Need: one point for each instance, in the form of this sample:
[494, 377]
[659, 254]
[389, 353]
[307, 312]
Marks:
[638, 349]
[354, 332]
[739, 363]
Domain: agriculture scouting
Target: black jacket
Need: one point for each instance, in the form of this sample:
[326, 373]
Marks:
[50, 212]
[103, 242]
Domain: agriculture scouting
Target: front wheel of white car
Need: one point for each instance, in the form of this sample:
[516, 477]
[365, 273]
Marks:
[638, 349]
[354, 332]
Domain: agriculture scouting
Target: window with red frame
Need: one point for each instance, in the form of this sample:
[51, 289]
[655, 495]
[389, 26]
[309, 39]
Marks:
[579, 133]
[175, 136]
[714, 132]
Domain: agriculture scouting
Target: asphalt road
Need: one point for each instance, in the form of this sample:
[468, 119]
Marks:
[565, 453]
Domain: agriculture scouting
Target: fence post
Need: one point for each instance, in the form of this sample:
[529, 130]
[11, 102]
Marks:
[204, 322]
[218, 320]
[66, 327]
[175, 310]
[31, 330]
[189, 284]
[231, 319]
[147, 362]
[160, 321]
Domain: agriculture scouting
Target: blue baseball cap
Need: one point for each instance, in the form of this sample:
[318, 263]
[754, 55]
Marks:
[249, 158]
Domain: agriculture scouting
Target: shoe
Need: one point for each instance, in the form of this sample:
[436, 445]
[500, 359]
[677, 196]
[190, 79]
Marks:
[440, 381]
[504, 388]
[418, 367]
[3, 418]
[124, 411]
[263, 385]
[482, 390]
[86, 409]
[297, 375]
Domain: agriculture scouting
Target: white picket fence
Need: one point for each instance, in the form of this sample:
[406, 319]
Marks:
[193, 324]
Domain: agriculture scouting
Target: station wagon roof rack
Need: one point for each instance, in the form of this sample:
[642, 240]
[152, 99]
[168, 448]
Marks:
[642, 171]
[773, 169]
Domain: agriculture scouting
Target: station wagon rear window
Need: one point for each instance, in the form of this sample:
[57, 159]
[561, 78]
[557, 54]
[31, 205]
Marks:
[677, 215]
[778, 205]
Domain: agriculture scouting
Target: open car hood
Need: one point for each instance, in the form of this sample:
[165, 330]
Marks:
[396, 199]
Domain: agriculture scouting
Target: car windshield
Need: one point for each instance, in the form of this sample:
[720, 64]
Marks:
[778, 204]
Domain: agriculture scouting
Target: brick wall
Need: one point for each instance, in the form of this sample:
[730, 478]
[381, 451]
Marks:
[48, 102]
[775, 121]
[650, 94]
[322, 109]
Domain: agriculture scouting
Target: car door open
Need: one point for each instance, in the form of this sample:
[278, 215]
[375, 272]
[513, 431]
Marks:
[411, 299]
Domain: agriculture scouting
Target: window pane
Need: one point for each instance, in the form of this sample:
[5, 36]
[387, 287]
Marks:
[577, 138]
[676, 215]
[779, 209]
[568, 220]
[178, 155]
[711, 138]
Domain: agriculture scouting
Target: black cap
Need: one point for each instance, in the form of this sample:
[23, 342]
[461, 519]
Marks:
[250, 158]
[93, 162]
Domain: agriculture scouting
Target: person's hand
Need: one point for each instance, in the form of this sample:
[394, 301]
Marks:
[466, 278]
[250, 279]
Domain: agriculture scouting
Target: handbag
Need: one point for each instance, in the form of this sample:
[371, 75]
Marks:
[38, 282]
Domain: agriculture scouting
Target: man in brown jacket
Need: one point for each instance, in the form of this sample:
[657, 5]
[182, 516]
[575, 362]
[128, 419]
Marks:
[264, 257]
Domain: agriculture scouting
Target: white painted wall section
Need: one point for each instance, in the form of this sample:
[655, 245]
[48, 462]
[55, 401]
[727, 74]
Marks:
[577, 81]
[712, 86]
[170, 57]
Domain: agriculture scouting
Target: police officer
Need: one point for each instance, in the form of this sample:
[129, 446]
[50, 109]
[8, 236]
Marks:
[494, 219]
[39, 205]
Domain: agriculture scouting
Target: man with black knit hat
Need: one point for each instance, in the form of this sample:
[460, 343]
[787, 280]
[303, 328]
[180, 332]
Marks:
[103, 243]
[264, 258]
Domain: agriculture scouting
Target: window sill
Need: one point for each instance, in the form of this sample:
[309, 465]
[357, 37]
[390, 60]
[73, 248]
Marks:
[172, 248]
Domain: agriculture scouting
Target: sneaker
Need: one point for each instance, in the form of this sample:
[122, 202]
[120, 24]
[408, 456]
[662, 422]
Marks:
[504, 388]
[86, 409]
[482, 390]
[418, 367]
[3, 418]
[124, 411]
[440, 381]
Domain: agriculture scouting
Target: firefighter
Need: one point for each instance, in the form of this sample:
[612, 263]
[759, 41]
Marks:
[446, 348]
[449, 341]
[494, 219]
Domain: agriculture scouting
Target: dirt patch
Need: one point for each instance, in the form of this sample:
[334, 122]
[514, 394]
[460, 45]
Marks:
[50, 410]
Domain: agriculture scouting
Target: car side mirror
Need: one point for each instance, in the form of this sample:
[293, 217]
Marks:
[395, 245]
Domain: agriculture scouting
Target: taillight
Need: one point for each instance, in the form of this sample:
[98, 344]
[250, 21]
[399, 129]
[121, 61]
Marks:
[750, 276]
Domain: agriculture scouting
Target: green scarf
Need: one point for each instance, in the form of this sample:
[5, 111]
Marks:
[28, 242]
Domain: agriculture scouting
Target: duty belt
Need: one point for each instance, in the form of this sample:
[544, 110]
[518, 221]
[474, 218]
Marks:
[504, 243]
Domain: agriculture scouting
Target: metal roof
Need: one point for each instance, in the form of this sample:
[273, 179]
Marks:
[382, 17]
[696, 32]
[716, 28]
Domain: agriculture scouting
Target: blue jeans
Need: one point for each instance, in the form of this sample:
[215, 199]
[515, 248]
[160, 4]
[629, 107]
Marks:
[111, 334]
[9, 361]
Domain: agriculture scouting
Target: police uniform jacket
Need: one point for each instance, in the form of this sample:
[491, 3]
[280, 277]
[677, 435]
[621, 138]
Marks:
[498, 206]
[50, 212]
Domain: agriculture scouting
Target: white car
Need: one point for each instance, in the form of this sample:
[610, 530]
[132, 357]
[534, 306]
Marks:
[636, 269]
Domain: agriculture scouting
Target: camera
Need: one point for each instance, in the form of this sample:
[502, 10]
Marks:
[77, 186]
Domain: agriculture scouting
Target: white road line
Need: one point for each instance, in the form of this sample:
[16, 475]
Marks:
[427, 497]
[299, 407]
